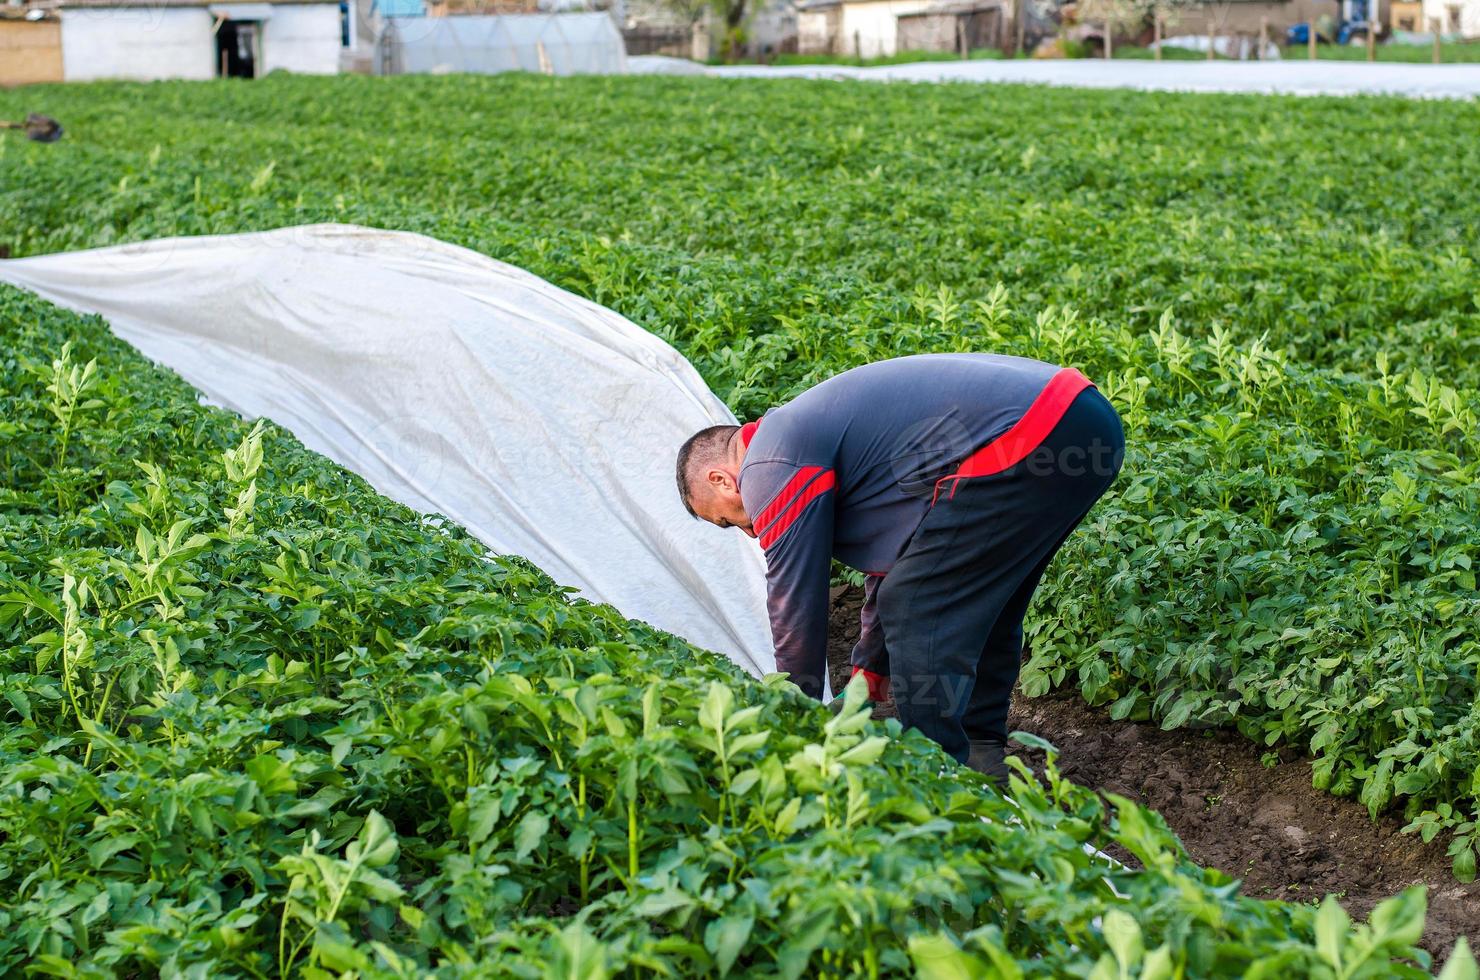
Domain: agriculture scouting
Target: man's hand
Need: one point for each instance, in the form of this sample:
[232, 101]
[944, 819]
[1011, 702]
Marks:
[876, 689]
[878, 684]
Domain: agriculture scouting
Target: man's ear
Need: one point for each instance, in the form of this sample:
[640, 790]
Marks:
[718, 479]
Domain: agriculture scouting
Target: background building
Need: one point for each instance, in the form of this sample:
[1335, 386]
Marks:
[1244, 17]
[80, 40]
[870, 28]
[30, 47]
[1460, 17]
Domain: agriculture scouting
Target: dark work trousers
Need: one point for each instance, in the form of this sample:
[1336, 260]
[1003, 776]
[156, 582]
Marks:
[951, 608]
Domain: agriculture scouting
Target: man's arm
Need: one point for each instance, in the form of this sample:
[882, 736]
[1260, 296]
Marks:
[869, 654]
[795, 529]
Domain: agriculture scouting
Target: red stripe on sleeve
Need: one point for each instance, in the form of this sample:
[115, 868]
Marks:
[783, 499]
[818, 487]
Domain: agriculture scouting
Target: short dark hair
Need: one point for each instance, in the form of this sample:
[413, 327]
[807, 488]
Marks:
[704, 448]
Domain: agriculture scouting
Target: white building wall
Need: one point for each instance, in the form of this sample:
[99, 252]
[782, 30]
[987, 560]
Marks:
[773, 26]
[817, 30]
[302, 38]
[138, 43]
[1469, 15]
[870, 28]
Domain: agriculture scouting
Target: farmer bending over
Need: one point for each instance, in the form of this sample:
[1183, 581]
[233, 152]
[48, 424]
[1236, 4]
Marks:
[950, 480]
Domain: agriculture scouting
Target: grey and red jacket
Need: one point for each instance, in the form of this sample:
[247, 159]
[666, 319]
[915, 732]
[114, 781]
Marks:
[849, 468]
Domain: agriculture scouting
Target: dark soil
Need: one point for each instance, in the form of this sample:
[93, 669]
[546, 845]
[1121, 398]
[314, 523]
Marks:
[1267, 826]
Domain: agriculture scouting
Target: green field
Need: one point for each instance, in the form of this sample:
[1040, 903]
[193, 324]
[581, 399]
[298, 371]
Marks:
[1280, 296]
[1450, 53]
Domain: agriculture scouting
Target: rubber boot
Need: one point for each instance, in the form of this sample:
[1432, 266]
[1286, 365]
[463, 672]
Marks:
[988, 758]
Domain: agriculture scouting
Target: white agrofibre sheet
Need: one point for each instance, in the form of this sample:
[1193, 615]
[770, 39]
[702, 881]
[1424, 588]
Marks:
[543, 423]
[1291, 76]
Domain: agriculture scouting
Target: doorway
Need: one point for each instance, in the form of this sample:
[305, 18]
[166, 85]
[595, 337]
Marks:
[238, 48]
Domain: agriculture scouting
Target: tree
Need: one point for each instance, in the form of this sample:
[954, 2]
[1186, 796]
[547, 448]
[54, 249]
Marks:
[733, 15]
[1129, 17]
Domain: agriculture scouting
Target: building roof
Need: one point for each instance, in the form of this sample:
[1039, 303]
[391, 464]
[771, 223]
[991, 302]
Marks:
[957, 7]
[855, 3]
[155, 4]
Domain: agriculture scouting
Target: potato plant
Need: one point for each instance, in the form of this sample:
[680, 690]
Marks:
[261, 721]
[1279, 295]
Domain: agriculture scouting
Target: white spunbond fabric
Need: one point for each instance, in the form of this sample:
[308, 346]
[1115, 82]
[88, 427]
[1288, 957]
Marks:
[543, 423]
[1290, 76]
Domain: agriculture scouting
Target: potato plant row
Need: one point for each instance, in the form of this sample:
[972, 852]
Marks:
[1278, 293]
[261, 721]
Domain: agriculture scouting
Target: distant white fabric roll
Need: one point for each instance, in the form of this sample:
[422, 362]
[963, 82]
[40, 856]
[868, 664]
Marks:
[1291, 76]
[543, 423]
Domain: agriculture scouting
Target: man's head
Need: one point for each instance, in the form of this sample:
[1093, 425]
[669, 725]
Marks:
[709, 477]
